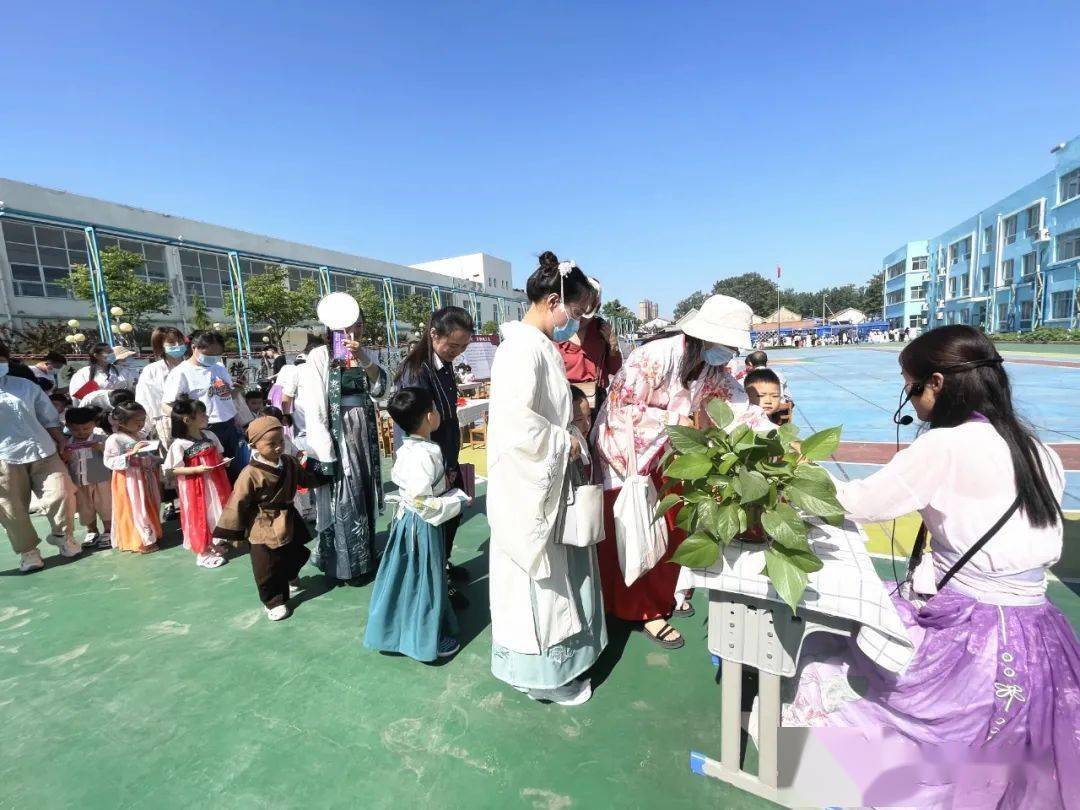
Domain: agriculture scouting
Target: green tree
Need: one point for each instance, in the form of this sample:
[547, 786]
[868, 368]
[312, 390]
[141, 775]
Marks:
[872, 295]
[137, 297]
[270, 302]
[615, 309]
[200, 318]
[692, 301]
[752, 289]
[369, 295]
[414, 310]
[36, 339]
[489, 328]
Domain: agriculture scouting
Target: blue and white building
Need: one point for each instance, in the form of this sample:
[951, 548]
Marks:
[1012, 267]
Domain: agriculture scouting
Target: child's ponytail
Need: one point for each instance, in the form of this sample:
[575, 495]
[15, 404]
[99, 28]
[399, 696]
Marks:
[184, 406]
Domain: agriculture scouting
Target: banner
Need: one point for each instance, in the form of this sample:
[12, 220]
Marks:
[479, 355]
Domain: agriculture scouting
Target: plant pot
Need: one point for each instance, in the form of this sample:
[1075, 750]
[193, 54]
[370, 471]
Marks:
[754, 534]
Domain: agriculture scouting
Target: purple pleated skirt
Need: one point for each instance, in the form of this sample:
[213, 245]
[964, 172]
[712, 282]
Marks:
[998, 686]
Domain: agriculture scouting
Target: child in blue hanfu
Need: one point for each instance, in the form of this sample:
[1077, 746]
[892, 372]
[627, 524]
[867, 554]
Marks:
[410, 610]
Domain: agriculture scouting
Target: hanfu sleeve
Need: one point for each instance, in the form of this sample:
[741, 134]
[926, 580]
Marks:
[115, 457]
[239, 512]
[907, 483]
[529, 456]
[419, 478]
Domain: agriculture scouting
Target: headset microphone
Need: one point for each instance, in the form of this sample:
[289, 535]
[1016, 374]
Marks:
[906, 419]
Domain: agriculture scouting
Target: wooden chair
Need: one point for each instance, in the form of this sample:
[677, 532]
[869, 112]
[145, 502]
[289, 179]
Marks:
[386, 434]
[477, 432]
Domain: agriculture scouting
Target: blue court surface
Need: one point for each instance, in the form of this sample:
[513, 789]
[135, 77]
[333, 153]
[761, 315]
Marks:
[860, 387]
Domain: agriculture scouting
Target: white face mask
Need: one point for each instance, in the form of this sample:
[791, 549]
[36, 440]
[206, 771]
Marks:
[718, 355]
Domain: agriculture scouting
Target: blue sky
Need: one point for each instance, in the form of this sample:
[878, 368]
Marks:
[661, 145]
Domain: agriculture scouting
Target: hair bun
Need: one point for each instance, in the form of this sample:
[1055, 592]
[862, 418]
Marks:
[549, 261]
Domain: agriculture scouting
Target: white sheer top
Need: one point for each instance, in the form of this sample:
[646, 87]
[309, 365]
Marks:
[961, 481]
[420, 475]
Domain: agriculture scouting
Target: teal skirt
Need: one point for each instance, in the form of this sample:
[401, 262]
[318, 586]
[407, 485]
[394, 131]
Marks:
[410, 608]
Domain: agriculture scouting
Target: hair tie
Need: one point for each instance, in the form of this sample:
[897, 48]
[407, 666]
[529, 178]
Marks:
[565, 268]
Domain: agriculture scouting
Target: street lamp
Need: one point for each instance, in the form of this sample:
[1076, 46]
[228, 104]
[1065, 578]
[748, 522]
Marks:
[116, 312]
[73, 323]
[126, 328]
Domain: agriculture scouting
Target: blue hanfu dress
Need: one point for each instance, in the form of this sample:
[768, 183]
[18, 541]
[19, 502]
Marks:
[410, 607]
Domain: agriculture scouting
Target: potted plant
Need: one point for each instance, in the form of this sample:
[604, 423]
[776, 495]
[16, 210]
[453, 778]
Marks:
[741, 484]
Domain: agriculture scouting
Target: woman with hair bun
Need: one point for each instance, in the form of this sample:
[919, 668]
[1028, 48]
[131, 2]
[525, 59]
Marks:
[547, 618]
[994, 687]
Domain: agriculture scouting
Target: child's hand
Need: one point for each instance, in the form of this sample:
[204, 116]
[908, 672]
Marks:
[136, 448]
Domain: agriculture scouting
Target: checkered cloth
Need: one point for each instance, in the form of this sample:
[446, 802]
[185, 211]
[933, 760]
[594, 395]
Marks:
[847, 586]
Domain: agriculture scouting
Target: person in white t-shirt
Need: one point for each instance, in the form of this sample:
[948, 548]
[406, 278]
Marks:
[204, 377]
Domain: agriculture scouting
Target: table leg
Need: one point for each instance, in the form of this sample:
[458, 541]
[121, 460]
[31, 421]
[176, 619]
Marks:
[731, 715]
[768, 726]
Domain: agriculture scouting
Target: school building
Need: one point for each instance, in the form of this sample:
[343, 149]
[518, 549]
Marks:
[43, 232]
[1012, 267]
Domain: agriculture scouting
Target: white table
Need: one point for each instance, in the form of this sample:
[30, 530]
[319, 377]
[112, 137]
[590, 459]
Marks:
[750, 626]
[473, 410]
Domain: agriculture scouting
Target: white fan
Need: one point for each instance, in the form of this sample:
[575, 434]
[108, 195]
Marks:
[338, 311]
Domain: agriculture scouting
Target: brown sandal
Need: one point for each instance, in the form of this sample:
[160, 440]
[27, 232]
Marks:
[662, 637]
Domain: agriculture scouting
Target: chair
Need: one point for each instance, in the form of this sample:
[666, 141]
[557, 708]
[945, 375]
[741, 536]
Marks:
[478, 431]
[386, 434]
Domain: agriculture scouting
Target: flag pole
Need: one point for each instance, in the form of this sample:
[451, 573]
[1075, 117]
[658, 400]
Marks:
[779, 339]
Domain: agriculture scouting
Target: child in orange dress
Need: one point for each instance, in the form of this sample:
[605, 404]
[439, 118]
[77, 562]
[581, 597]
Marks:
[136, 491]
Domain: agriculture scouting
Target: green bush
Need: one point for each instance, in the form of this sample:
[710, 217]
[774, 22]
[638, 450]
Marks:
[1043, 334]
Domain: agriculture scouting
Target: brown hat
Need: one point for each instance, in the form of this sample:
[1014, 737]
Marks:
[122, 353]
[261, 426]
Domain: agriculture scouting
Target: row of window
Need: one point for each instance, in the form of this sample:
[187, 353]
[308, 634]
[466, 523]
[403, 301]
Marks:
[1069, 186]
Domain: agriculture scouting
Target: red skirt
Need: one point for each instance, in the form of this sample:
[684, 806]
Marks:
[652, 596]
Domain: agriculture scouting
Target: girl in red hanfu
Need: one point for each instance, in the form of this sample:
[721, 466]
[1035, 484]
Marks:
[196, 459]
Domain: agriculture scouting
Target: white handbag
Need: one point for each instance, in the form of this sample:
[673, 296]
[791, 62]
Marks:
[585, 514]
[641, 541]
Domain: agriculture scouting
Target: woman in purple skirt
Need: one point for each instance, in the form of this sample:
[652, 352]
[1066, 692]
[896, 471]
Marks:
[990, 704]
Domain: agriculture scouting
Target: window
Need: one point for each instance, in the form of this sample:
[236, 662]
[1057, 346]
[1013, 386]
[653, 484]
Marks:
[1061, 305]
[895, 297]
[965, 288]
[917, 293]
[1003, 315]
[153, 269]
[1027, 270]
[1068, 245]
[1069, 186]
[1025, 314]
[894, 270]
[1007, 271]
[919, 262]
[913, 320]
[206, 275]
[952, 287]
[1034, 219]
[1009, 226]
[984, 278]
[988, 239]
[41, 257]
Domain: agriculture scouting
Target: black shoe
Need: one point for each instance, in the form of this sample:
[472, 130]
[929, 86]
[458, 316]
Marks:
[458, 574]
[458, 600]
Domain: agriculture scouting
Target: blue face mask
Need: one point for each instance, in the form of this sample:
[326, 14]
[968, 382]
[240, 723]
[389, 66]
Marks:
[210, 360]
[717, 355]
[4, 368]
[567, 330]
[176, 351]
[110, 358]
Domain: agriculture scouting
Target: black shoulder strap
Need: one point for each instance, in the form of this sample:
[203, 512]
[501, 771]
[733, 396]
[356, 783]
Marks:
[982, 541]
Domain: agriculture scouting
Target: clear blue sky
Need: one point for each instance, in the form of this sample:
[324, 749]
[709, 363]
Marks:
[661, 145]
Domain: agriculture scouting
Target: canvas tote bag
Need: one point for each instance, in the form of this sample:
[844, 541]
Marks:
[641, 541]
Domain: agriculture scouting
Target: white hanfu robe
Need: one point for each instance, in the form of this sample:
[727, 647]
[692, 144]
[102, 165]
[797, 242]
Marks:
[535, 589]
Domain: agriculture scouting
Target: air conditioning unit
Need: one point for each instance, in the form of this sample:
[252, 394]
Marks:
[1043, 235]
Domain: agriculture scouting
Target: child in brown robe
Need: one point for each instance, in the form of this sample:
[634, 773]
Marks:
[261, 511]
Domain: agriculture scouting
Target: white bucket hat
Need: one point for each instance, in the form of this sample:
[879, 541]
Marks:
[722, 319]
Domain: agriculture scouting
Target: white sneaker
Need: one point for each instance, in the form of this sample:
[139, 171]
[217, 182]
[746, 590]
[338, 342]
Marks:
[90, 540]
[572, 694]
[31, 561]
[70, 548]
[276, 614]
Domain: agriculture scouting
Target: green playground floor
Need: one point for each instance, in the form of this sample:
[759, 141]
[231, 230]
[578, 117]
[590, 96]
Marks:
[145, 681]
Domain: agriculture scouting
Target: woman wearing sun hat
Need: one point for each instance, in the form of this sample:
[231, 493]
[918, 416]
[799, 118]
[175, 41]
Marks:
[664, 382]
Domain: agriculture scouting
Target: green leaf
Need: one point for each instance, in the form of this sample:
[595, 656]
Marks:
[727, 522]
[787, 579]
[698, 550]
[690, 467]
[686, 439]
[816, 476]
[751, 486]
[811, 498]
[720, 413]
[803, 557]
[787, 433]
[822, 444]
[783, 524]
[664, 505]
[687, 517]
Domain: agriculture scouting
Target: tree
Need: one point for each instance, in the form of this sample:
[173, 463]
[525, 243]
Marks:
[137, 297]
[414, 310]
[269, 301]
[369, 295]
[489, 328]
[752, 289]
[692, 301]
[38, 338]
[872, 295]
[200, 318]
[615, 309]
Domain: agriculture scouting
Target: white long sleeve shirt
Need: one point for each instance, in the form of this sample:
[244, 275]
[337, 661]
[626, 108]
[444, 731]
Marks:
[420, 475]
[961, 481]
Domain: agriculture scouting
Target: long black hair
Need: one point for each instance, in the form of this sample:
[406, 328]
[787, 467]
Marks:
[546, 279]
[974, 381]
[445, 322]
[184, 406]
